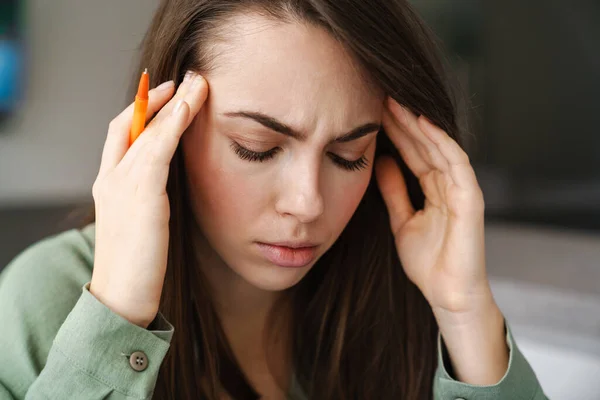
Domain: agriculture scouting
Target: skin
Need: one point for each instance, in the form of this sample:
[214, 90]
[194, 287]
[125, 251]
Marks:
[299, 75]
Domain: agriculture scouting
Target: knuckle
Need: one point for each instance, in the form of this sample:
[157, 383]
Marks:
[144, 148]
[473, 198]
[477, 201]
[151, 154]
[112, 125]
[105, 186]
[97, 189]
[480, 199]
[156, 156]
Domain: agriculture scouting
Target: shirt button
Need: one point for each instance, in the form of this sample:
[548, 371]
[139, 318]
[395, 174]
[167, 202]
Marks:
[138, 361]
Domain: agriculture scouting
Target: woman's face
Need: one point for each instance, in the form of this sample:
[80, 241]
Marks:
[286, 92]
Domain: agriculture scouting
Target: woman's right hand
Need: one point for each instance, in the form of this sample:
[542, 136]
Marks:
[131, 202]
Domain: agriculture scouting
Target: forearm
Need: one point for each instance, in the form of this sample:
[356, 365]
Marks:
[476, 343]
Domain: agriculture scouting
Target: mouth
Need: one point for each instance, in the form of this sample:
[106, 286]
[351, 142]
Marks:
[289, 254]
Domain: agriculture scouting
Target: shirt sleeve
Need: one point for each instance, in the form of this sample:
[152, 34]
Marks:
[91, 355]
[518, 383]
[58, 341]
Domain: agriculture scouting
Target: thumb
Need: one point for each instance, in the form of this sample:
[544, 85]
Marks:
[393, 189]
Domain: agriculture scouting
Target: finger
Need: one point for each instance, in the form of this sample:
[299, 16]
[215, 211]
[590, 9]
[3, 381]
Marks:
[443, 181]
[431, 188]
[394, 192]
[461, 171]
[162, 139]
[405, 145]
[428, 148]
[196, 96]
[152, 167]
[117, 139]
[155, 128]
[182, 94]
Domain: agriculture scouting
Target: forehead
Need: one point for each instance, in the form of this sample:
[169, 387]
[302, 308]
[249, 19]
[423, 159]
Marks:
[291, 70]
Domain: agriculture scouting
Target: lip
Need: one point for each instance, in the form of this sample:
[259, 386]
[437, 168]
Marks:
[291, 245]
[289, 254]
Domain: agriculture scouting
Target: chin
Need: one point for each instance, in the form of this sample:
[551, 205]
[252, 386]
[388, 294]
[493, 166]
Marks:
[273, 278]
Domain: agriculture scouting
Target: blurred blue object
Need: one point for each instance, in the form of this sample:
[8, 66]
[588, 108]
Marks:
[10, 60]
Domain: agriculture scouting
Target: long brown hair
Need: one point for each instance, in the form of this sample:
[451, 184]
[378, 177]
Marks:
[362, 329]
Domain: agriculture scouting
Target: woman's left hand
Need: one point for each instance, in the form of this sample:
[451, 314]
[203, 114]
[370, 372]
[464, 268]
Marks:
[442, 246]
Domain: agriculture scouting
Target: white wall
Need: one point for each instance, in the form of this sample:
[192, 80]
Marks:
[81, 58]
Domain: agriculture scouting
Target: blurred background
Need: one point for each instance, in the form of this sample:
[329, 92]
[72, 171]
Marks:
[531, 74]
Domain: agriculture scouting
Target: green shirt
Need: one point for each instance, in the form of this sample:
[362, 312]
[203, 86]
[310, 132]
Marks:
[59, 342]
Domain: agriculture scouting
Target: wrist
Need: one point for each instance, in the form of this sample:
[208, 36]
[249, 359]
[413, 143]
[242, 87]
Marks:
[481, 310]
[476, 343]
[130, 313]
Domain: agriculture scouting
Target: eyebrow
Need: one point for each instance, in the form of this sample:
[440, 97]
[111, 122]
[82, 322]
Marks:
[278, 126]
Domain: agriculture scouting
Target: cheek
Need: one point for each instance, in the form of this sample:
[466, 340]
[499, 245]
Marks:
[350, 187]
[221, 197]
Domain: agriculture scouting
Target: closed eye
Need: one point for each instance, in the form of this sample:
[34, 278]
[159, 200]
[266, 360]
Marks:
[250, 155]
[253, 156]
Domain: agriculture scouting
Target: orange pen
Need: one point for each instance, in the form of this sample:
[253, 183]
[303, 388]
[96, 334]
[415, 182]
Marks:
[140, 108]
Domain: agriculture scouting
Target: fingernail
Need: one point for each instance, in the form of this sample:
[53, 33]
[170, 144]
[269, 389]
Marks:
[392, 103]
[197, 80]
[400, 112]
[178, 106]
[188, 75]
[429, 127]
[165, 85]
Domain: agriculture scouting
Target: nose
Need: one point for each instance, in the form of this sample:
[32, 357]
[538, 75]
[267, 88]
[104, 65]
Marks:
[299, 194]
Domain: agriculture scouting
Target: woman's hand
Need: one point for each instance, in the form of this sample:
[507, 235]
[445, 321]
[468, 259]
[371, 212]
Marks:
[442, 247]
[132, 207]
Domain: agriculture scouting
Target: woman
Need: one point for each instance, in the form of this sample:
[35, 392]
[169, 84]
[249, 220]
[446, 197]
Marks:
[296, 221]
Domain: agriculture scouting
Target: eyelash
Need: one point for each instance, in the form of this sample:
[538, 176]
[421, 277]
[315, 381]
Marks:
[253, 156]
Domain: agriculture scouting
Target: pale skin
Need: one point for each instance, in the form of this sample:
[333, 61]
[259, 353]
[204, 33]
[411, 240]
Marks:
[441, 248]
[300, 76]
[299, 194]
